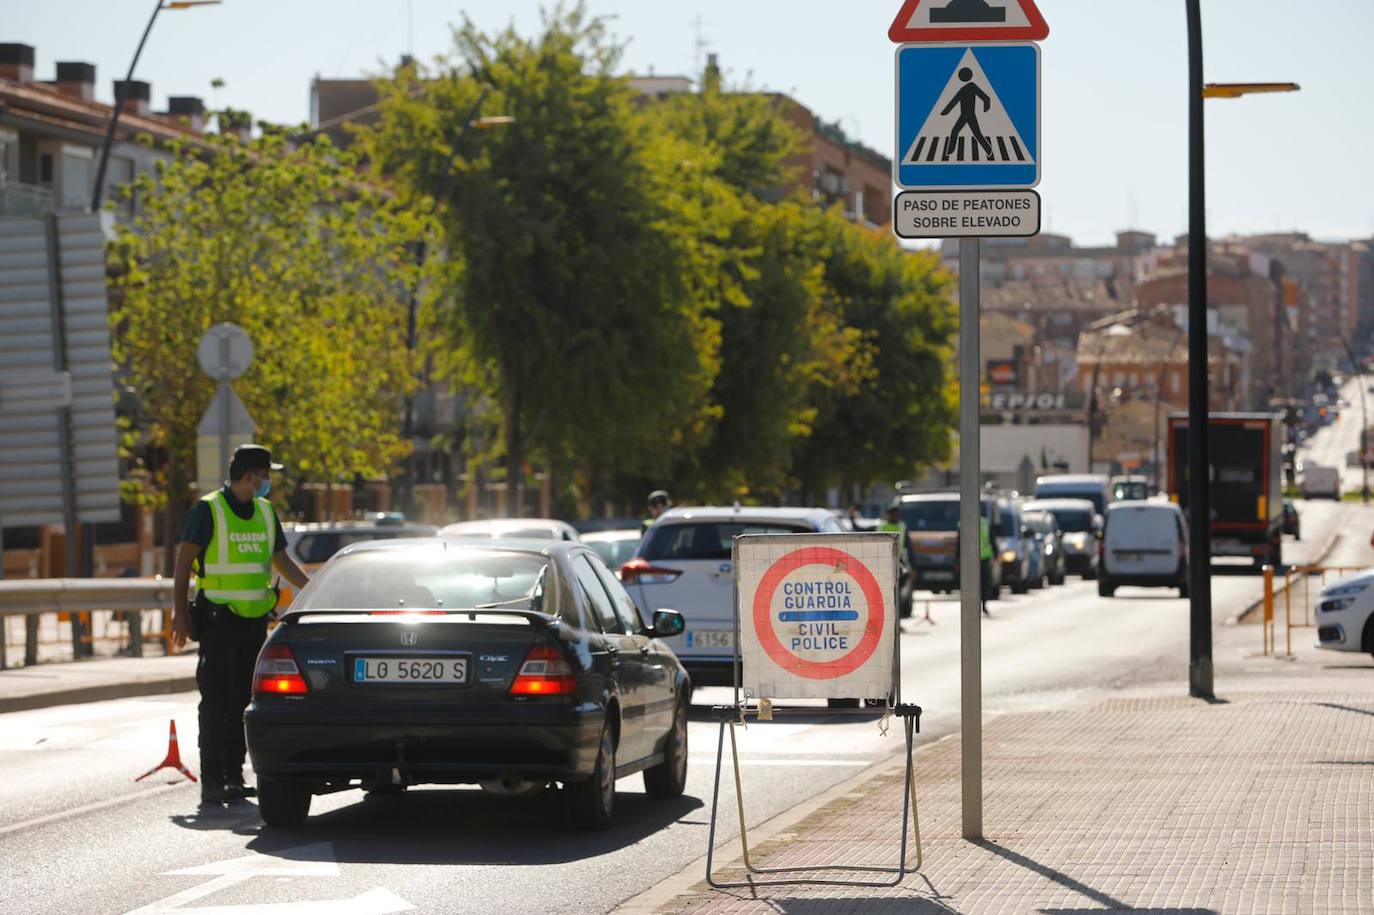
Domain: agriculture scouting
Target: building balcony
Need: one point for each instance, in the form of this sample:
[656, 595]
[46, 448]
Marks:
[24, 199]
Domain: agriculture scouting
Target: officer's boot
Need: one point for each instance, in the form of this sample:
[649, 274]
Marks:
[235, 789]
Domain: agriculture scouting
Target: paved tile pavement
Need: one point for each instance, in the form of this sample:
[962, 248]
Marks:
[1263, 803]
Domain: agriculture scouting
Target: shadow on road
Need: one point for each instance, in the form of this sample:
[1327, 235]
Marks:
[467, 826]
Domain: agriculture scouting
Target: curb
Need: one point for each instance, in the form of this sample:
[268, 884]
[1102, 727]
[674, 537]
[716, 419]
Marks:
[98, 693]
[656, 897]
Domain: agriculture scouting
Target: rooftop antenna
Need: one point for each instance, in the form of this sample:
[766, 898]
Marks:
[701, 43]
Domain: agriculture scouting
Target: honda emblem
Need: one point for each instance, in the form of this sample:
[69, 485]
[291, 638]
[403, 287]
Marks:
[409, 637]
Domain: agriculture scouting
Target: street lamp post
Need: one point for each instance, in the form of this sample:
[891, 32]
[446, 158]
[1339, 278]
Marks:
[1199, 503]
[123, 89]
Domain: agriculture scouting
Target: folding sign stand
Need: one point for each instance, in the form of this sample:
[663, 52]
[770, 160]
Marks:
[763, 710]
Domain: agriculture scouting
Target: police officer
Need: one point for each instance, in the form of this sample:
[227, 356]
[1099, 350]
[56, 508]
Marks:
[232, 539]
[658, 504]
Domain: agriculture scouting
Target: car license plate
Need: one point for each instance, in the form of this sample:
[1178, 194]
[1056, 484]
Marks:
[711, 638]
[410, 670]
[939, 576]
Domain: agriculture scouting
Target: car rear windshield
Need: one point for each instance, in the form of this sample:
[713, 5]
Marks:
[319, 546]
[1072, 521]
[1072, 491]
[615, 552]
[931, 515]
[428, 580]
[1130, 490]
[707, 539]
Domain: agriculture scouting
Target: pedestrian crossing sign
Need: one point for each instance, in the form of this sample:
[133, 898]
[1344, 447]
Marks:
[968, 116]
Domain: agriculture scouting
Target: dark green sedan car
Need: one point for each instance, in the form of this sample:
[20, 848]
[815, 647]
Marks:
[512, 665]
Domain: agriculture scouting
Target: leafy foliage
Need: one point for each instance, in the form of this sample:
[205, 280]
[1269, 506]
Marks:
[315, 265]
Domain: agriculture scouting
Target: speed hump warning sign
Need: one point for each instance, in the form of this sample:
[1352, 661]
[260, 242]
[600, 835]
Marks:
[817, 615]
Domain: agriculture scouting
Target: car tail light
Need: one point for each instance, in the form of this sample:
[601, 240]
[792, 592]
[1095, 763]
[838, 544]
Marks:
[642, 571]
[545, 672]
[278, 674]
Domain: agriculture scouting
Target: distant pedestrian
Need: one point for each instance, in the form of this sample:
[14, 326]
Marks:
[658, 504]
[232, 540]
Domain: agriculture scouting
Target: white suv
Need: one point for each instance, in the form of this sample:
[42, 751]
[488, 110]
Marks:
[683, 564]
[1345, 614]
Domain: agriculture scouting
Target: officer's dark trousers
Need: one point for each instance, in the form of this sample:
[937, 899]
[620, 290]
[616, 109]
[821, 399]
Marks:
[228, 653]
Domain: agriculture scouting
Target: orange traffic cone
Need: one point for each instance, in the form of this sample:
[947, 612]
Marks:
[172, 760]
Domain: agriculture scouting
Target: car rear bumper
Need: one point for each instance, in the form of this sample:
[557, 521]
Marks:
[1143, 580]
[295, 740]
[1078, 563]
[930, 578]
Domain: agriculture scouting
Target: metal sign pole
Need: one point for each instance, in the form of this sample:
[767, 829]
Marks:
[970, 576]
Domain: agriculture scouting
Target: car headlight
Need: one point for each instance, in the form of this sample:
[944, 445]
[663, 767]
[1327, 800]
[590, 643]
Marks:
[1008, 555]
[1329, 606]
[1077, 540]
[1346, 590]
[1049, 549]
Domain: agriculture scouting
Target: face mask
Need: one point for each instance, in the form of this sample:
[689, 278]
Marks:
[263, 488]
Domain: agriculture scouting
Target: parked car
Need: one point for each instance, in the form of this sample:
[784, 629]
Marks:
[1091, 486]
[511, 666]
[1129, 487]
[1014, 546]
[1080, 528]
[615, 547]
[684, 562]
[1145, 544]
[1292, 524]
[1345, 614]
[1045, 529]
[511, 528]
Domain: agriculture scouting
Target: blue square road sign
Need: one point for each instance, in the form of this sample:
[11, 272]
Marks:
[968, 116]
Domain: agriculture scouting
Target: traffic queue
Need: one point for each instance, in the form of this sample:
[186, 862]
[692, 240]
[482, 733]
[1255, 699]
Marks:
[525, 654]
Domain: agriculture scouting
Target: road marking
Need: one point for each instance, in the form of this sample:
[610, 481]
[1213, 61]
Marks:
[90, 808]
[307, 861]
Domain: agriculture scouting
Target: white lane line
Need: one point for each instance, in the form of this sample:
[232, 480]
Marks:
[90, 808]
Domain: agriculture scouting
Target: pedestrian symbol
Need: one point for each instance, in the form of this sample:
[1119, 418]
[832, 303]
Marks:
[968, 116]
[970, 125]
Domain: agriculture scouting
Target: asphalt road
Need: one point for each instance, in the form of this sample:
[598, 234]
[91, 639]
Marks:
[78, 835]
[1332, 444]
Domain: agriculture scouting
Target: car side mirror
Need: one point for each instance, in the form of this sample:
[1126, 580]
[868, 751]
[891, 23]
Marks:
[668, 623]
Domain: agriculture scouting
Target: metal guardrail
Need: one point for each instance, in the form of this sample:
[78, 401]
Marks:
[31, 598]
[1292, 575]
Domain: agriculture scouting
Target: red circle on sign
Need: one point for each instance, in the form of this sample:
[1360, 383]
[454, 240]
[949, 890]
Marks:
[763, 617]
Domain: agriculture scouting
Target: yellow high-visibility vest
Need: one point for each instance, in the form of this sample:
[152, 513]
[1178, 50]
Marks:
[238, 561]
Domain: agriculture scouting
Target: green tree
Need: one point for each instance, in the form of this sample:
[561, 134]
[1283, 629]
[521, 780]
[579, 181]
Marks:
[579, 313]
[899, 417]
[314, 264]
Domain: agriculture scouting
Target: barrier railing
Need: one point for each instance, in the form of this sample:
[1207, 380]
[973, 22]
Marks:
[127, 597]
[1292, 575]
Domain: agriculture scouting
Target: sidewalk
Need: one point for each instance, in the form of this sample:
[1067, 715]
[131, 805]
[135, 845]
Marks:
[1262, 802]
[95, 680]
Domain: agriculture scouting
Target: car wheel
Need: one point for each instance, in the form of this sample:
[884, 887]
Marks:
[905, 591]
[1105, 588]
[591, 802]
[1020, 587]
[283, 803]
[669, 778]
[842, 703]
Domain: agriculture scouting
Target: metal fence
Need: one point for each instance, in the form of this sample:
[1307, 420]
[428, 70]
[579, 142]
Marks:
[1295, 585]
[126, 599]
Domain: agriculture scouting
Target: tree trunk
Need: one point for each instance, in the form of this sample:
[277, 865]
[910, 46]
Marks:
[515, 459]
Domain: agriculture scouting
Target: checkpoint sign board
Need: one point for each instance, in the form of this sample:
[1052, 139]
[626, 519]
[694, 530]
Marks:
[817, 615]
[968, 20]
[968, 116]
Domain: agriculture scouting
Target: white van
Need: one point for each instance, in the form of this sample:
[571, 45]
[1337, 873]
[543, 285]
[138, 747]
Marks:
[1091, 486]
[1144, 543]
[1320, 481]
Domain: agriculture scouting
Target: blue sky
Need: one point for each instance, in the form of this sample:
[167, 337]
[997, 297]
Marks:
[1114, 96]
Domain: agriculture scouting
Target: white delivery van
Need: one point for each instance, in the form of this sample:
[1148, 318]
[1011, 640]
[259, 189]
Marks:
[1320, 482]
[1091, 486]
[1144, 543]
